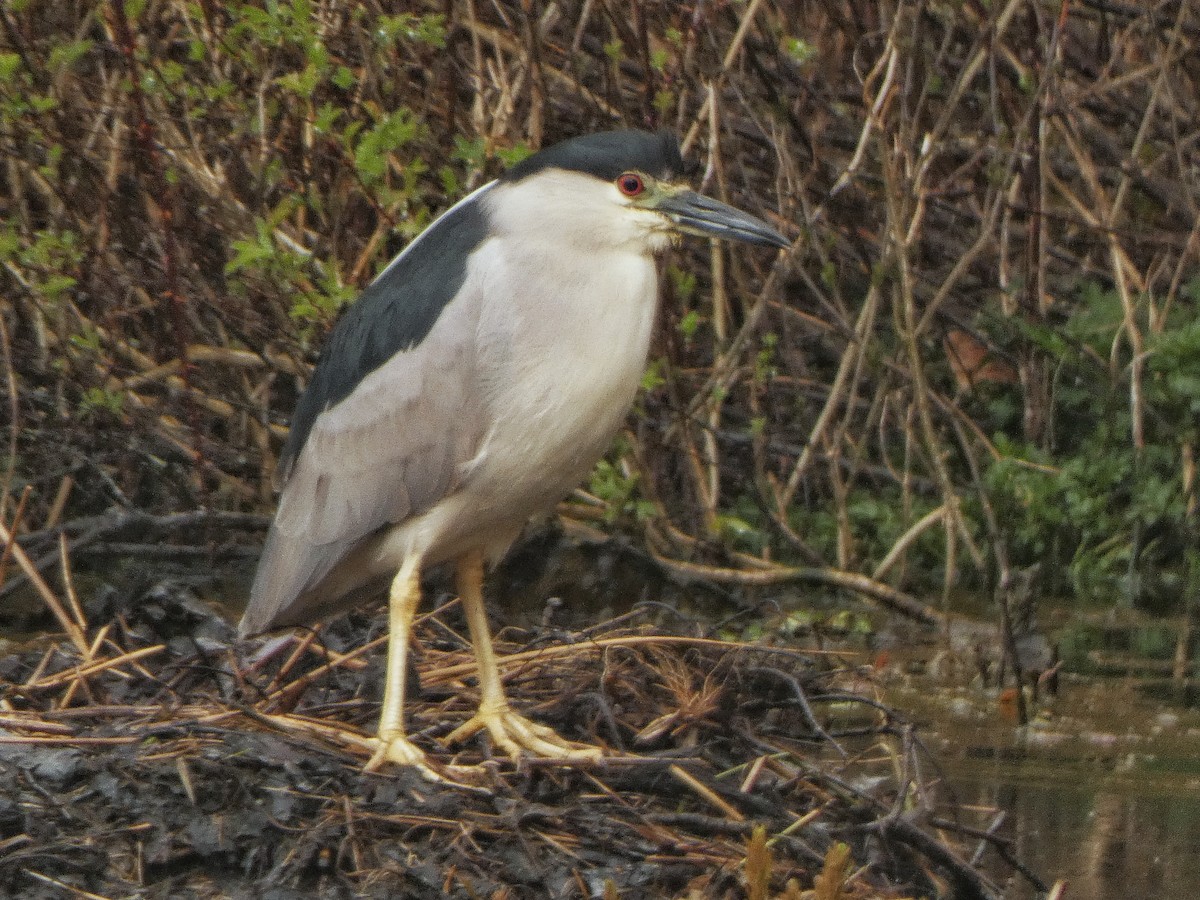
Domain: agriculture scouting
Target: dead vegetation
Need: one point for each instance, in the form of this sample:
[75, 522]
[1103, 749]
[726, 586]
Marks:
[979, 354]
[158, 760]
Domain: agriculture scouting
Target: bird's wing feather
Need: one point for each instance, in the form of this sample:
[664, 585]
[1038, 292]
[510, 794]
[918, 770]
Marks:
[390, 449]
[394, 314]
[391, 415]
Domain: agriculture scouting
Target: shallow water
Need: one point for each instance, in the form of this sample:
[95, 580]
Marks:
[1103, 790]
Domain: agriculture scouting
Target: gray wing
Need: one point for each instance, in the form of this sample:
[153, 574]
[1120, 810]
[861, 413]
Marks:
[390, 449]
[390, 416]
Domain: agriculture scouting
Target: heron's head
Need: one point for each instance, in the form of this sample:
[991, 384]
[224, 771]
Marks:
[619, 187]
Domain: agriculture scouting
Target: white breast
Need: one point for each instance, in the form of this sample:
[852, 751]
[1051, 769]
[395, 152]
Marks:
[566, 289]
[561, 361]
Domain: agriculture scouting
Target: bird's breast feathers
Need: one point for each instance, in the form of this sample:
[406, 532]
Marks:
[562, 356]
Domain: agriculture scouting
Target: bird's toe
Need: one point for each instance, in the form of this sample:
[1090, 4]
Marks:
[517, 735]
[399, 750]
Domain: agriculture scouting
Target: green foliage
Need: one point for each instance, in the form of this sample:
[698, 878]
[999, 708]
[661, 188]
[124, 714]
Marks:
[876, 520]
[800, 50]
[653, 378]
[428, 29]
[742, 528]
[764, 360]
[1173, 379]
[471, 152]
[690, 323]
[388, 134]
[65, 56]
[88, 340]
[683, 282]
[618, 490]
[9, 64]
[1088, 502]
[48, 259]
[98, 401]
[322, 304]
[510, 156]
[21, 95]
[260, 261]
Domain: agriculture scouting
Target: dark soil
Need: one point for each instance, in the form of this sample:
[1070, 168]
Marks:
[209, 768]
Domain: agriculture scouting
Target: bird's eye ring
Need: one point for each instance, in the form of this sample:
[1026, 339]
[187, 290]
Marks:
[631, 184]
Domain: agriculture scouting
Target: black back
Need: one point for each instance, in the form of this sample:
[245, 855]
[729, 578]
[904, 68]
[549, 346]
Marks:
[399, 308]
[394, 313]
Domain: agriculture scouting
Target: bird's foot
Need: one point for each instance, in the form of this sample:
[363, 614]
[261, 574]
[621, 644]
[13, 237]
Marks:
[515, 735]
[398, 749]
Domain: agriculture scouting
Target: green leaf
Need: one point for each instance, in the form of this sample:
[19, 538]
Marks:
[56, 285]
[9, 64]
[428, 29]
[652, 377]
[690, 323]
[326, 118]
[800, 50]
[386, 136]
[64, 56]
[510, 156]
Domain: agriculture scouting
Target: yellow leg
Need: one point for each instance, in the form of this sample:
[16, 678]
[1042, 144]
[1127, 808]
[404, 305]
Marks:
[392, 744]
[510, 731]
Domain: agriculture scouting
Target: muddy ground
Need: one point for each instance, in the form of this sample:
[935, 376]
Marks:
[159, 757]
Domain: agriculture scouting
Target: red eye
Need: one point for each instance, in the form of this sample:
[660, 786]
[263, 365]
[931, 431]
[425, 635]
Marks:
[630, 184]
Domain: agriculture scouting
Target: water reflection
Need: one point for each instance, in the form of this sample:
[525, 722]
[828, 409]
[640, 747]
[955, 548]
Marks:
[1110, 803]
[1107, 844]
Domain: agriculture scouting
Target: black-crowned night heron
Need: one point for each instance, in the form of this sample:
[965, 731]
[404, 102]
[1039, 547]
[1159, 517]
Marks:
[474, 383]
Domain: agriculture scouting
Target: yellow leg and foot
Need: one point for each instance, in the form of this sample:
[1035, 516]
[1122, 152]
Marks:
[392, 743]
[510, 731]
